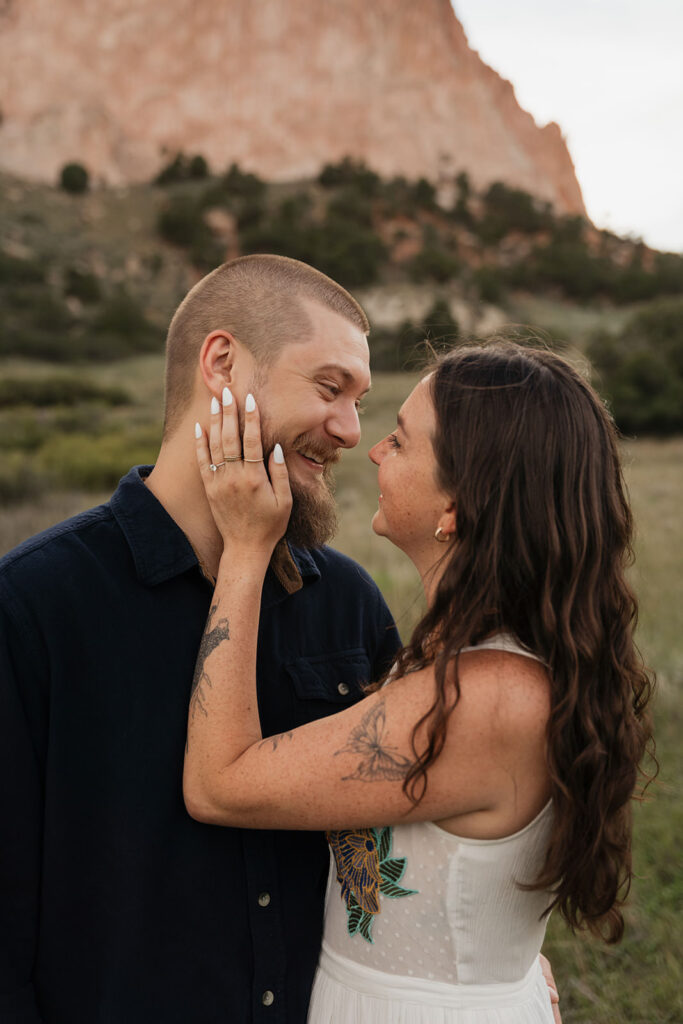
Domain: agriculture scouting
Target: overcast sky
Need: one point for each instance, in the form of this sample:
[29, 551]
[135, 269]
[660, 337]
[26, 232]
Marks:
[610, 72]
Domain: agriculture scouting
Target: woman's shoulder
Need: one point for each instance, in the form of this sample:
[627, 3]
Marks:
[503, 693]
[508, 686]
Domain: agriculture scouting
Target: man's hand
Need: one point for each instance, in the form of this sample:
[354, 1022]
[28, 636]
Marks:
[552, 988]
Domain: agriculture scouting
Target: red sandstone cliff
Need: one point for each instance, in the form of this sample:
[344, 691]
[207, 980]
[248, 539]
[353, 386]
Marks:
[280, 86]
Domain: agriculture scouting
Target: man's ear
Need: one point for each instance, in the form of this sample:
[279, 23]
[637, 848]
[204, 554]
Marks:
[217, 358]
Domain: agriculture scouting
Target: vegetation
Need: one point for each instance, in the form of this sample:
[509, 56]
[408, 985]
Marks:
[82, 285]
[98, 280]
[406, 346]
[183, 168]
[640, 369]
[74, 178]
[57, 390]
[510, 209]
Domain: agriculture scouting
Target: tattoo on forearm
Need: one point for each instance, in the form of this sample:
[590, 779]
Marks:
[379, 760]
[275, 740]
[214, 634]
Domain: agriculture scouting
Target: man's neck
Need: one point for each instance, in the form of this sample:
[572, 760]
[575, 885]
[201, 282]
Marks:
[175, 482]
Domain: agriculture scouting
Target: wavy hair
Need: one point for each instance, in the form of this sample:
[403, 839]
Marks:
[529, 454]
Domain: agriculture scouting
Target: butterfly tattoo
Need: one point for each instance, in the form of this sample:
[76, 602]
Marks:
[379, 760]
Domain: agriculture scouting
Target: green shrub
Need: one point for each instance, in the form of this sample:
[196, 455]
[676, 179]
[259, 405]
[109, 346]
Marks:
[345, 250]
[239, 192]
[183, 168]
[567, 265]
[640, 371]
[434, 263]
[511, 209]
[489, 284]
[351, 205]
[49, 391]
[82, 285]
[236, 182]
[439, 323]
[424, 194]
[198, 167]
[16, 271]
[180, 220]
[121, 328]
[27, 343]
[96, 463]
[74, 178]
[351, 255]
[21, 430]
[18, 480]
[461, 209]
[395, 349]
[404, 347]
[351, 173]
[283, 237]
[463, 185]
[295, 209]
[401, 197]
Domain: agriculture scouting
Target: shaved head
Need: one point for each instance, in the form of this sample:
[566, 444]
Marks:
[260, 301]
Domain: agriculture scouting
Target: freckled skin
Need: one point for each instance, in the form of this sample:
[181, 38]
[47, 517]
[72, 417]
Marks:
[411, 504]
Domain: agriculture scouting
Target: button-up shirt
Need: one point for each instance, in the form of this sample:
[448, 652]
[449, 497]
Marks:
[115, 906]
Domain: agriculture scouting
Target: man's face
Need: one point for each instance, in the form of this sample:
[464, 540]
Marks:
[308, 400]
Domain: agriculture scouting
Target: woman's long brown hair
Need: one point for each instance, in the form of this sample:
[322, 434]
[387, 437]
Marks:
[543, 536]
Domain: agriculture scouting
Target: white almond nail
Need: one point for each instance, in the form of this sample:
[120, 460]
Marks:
[227, 396]
[277, 454]
[214, 406]
[197, 431]
[250, 404]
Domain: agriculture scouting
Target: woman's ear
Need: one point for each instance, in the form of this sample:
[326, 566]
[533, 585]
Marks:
[447, 521]
[217, 359]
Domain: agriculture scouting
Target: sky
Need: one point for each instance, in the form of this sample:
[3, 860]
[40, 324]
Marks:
[610, 73]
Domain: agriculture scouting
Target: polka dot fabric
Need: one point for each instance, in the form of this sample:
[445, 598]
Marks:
[460, 945]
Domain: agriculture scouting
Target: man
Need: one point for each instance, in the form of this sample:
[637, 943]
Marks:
[116, 906]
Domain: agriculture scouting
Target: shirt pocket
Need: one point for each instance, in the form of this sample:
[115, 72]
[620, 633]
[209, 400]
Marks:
[329, 682]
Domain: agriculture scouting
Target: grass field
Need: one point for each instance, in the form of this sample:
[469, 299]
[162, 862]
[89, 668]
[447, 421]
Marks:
[638, 982]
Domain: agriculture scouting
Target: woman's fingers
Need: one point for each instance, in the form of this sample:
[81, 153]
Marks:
[279, 478]
[230, 433]
[215, 440]
[251, 442]
[202, 449]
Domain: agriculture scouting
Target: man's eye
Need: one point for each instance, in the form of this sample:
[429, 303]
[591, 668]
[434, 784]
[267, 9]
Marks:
[333, 389]
[393, 441]
[360, 409]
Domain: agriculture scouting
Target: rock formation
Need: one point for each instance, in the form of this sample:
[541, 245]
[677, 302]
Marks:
[280, 86]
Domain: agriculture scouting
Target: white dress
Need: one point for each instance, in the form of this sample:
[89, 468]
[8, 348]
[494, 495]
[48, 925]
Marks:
[425, 927]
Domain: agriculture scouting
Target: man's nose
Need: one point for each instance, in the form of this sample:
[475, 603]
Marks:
[344, 425]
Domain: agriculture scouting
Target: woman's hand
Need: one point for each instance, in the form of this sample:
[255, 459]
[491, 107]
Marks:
[250, 510]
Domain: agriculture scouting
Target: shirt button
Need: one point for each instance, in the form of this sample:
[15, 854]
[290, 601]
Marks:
[264, 899]
[343, 688]
[267, 998]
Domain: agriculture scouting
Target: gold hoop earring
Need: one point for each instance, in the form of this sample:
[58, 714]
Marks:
[438, 536]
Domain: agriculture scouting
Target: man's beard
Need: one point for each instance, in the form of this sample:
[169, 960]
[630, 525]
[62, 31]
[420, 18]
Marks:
[313, 520]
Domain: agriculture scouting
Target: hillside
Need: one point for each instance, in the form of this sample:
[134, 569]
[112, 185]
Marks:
[95, 276]
[282, 87]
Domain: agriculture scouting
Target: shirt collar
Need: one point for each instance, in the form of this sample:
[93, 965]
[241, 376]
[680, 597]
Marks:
[159, 547]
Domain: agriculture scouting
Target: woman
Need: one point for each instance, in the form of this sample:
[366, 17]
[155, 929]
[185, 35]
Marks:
[489, 779]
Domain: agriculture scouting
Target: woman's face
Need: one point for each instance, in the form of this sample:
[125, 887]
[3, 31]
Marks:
[411, 504]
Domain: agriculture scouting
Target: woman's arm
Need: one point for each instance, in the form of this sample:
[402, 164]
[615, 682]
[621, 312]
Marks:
[347, 770]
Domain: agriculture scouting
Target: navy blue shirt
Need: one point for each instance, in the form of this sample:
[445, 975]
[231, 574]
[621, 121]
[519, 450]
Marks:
[115, 906]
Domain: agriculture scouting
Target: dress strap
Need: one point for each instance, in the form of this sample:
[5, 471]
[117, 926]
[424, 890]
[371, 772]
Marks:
[503, 642]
